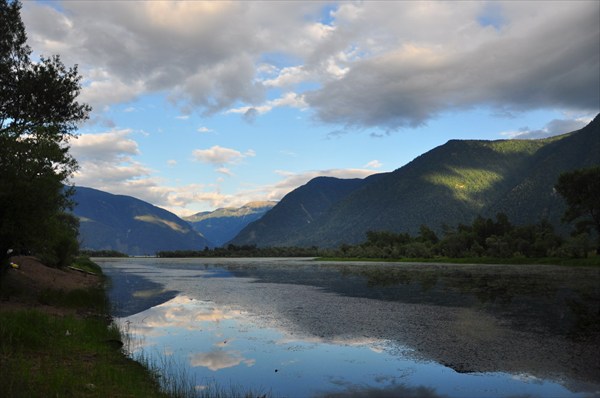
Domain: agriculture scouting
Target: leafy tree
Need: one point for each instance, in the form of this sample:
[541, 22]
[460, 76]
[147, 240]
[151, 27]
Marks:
[38, 115]
[581, 191]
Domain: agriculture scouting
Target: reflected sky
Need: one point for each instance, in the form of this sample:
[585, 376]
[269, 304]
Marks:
[228, 326]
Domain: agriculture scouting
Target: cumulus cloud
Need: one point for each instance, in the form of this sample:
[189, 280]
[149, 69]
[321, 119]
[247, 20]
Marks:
[105, 147]
[219, 156]
[107, 161]
[373, 65]
[532, 62]
[204, 53]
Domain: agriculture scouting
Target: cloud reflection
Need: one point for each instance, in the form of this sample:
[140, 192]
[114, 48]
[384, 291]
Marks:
[219, 359]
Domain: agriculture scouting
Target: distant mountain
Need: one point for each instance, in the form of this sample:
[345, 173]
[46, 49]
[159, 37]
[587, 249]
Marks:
[448, 185]
[222, 225]
[130, 225]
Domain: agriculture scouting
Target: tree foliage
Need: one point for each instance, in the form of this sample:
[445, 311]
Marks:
[581, 190]
[38, 115]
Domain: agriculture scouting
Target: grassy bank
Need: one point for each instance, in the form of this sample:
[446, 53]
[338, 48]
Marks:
[64, 345]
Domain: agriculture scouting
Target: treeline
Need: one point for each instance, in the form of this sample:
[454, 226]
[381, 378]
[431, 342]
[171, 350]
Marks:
[485, 237]
[247, 251]
[102, 253]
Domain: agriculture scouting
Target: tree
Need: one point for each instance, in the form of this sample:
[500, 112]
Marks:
[38, 115]
[581, 191]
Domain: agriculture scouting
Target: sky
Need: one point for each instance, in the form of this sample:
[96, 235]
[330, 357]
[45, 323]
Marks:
[201, 105]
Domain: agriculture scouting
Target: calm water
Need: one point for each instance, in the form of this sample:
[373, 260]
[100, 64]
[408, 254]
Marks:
[301, 328]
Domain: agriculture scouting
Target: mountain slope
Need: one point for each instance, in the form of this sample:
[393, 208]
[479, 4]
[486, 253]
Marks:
[222, 225]
[130, 225]
[297, 211]
[450, 184]
[534, 197]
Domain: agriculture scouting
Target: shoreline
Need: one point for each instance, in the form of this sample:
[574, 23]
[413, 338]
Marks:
[57, 337]
[471, 318]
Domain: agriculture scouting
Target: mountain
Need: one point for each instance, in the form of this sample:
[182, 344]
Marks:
[222, 225]
[297, 210]
[130, 225]
[448, 185]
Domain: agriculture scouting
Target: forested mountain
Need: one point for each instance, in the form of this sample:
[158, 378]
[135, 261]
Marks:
[222, 225]
[298, 210]
[448, 185]
[130, 225]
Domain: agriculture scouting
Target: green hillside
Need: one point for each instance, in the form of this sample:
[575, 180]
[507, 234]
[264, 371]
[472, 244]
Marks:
[448, 185]
[130, 225]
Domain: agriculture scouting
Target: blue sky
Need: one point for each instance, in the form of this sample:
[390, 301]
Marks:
[200, 105]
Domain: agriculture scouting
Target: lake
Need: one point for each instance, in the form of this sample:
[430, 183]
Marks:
[303, 328]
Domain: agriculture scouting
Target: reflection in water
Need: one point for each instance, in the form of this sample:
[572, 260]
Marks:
[219, 359]
[302, 329]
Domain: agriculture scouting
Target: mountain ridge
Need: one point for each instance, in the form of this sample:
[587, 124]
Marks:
[223, 224]
[448, 185]
[130, 225]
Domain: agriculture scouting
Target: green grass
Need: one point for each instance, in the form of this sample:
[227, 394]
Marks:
[47, 355]
[42, 355]
[92, 299]
[85, 264]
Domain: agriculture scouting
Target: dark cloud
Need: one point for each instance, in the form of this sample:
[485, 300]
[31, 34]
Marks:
[250, 115]
[391, 66]
[549, 66]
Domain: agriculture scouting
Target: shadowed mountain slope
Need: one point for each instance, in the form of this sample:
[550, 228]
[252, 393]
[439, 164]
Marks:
[448, 185]
[130, 225]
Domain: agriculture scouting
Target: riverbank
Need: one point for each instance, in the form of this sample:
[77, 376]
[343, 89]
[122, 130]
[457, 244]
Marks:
[56, 337]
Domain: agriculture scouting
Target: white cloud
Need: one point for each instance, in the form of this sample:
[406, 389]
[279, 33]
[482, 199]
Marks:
[373, 164]
[108, 147]
[219, 156]
[289, 99]
[554, 127]
[204, 130]
[225, 170]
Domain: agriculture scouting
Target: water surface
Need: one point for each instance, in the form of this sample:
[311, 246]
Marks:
[296, 327]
